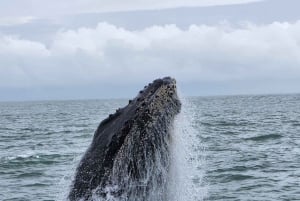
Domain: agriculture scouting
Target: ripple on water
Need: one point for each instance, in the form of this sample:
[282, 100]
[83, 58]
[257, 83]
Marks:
[265, 137]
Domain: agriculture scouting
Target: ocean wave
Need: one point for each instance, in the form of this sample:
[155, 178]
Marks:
[264, 137]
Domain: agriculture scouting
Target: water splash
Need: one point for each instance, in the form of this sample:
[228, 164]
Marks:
[175, 174]
[183, 176]
[186, 181]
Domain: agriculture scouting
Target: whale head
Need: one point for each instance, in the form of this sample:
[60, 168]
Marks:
[129, 154]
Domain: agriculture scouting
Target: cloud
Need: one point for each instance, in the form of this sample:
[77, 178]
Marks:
[52, 8]
[111, 55]
[12, 21]
[118, 5]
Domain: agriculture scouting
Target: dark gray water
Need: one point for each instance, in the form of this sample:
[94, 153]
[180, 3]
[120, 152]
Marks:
[253, 146]
[250, 146]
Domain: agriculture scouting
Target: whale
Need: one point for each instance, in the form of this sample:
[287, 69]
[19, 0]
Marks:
[129, 156]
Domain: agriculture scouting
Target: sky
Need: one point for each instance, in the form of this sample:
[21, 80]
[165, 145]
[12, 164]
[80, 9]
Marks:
[88, 49]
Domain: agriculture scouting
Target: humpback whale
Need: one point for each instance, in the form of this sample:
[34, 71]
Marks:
[128, 158]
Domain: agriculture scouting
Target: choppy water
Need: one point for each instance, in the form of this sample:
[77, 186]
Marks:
[241, 147]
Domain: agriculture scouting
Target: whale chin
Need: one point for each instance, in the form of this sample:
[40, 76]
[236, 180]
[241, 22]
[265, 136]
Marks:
[128, 158]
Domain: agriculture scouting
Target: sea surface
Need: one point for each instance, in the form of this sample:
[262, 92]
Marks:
[237, 147]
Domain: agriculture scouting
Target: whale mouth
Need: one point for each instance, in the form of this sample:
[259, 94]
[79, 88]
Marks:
[130, 148]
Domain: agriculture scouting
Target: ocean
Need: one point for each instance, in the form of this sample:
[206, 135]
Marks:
[239, 148]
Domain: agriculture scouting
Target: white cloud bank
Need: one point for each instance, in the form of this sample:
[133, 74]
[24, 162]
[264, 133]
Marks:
[48, 8]
[108, 54]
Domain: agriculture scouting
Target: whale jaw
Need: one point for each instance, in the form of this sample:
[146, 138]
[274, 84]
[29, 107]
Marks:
[129, 157]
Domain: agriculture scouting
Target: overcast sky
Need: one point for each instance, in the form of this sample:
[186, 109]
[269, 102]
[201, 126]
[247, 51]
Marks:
[83, 49]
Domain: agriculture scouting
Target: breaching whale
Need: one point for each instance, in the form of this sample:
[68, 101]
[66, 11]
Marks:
[128, 159]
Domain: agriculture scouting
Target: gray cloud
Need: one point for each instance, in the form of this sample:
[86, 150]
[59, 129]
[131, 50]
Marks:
[13, 21]
[47, 8]
[110, 55]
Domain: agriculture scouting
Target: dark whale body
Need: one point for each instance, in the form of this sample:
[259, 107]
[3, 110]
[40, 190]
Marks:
[128, 158]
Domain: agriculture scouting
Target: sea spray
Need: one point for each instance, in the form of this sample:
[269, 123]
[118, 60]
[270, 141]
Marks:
[186, 171]
[187, 164]
[187, 158]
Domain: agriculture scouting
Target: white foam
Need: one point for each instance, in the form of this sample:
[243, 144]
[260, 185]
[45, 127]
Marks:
[25, 155]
